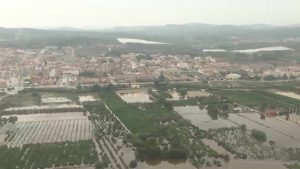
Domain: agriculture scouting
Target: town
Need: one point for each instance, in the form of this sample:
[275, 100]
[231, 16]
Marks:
[55, 67]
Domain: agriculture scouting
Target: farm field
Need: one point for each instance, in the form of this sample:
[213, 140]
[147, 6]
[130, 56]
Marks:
[43, 107]
[34, 156]
[288, 94]
[135, 96]
[160, 124]
[50, 128]
[110, 135]
[175, 95]
[287, 108]
[283, 133]
[120, 131]
[201, 119]
[87, 98]
[192, 94]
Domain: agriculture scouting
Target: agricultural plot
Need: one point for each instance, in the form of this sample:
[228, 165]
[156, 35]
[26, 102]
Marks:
[288, 94]
[175, 95]
[35, 109]
[44, 107]
[50, 128]
[135, 97]
[56, 100]
[200, 93]
[285, 104]
[88, 98]
[243, 145]
[51, 132]
[201, 119]
[171, 137]
[110, 134]
[283, 133]
[37, 156]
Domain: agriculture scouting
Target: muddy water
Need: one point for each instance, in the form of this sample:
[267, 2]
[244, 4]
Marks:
[201, 119]
[165, 165]
[249, 164]
[198, 94]
[214, 145]
[233, 164]
[139, 97]
[283, 133]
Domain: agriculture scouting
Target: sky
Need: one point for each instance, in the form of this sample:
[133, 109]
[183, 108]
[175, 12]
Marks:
[112, 13]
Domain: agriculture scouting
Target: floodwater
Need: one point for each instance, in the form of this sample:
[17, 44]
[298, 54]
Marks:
[214, 145]
[175, 95]
[165, 165]
[282, 132]
[201, 119]
[36, 107]
[233, 164]
[199, 93]
[51, 116]
[250, 164]
[88, 98]
[128, 40]
[47, 100]
[136, 97]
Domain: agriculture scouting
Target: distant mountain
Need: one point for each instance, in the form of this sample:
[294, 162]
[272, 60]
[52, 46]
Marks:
[184, 34]
[207, 30]
[67, 29]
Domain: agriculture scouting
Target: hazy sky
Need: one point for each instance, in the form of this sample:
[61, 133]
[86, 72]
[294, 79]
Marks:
[107, 13]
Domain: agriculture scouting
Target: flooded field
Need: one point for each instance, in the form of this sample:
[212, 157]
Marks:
[283, 133]
[199, 93]
[43, 107]
[51, 100]
[175, 95]
[88, 98]
[165, 165]
[214, 145]
[250, 164]
[233, 164]
[49, 128]
[201, 119]
[135, 97]
[128, 40]
[288, 94]
[49, 117]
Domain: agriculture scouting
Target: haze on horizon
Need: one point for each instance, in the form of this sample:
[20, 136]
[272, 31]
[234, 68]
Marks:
[111, 13]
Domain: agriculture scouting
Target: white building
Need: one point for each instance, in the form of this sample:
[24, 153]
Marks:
[232, 76]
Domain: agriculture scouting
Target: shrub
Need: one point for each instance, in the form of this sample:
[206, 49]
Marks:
[133, 164]
[259, 135]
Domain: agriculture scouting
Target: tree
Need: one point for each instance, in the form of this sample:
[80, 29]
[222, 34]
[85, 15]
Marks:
[182, 92]
[243, 127]
[213, 112]
[161, 77]
[133, 164]
[101, 165]
[259, 135]
[226, 158]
